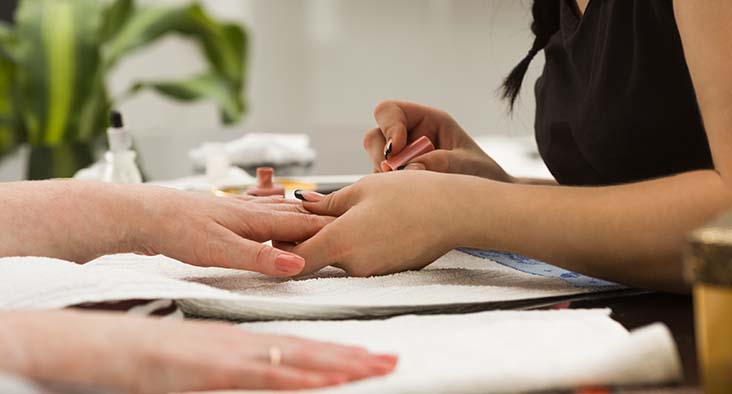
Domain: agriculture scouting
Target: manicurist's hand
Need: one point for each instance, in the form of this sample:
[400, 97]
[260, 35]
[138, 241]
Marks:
[387, 223]
[401, 122]
[79, 221]
[145, 355]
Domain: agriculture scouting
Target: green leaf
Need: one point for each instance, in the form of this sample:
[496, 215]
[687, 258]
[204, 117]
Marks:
[207, 86]
[10, 131]
[58, 60]
[115, 17]
[225, 47]
[7, 41]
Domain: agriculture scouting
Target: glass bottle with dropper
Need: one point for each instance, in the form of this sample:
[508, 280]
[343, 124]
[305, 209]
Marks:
[121, 166]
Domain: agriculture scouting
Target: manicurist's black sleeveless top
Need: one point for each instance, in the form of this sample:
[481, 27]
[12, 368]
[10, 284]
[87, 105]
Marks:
[616, 103]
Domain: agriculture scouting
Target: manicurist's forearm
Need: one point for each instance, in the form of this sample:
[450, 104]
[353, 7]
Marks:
[633, 233]
[535, 181]
[72, 220]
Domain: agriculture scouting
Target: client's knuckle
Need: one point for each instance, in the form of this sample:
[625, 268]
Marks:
[216, 253]
[262, 254]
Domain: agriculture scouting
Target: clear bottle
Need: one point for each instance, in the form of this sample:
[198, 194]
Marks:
[121, 165]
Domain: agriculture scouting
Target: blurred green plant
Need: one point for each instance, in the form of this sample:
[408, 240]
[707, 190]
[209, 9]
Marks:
[55, 60]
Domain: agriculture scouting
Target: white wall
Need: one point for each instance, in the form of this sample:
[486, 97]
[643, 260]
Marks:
[328, 62]
[322, 65]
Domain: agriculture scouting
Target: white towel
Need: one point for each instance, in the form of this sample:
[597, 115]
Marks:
[501, 351]
[486, 352]
[258, 148]
[457, 279]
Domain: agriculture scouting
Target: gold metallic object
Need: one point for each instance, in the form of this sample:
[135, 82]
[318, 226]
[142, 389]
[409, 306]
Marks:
[708, 266]
[296, 185]
[275, 356]
[241, 191]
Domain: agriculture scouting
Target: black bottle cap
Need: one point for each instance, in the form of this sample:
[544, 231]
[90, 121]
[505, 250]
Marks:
[115, 120]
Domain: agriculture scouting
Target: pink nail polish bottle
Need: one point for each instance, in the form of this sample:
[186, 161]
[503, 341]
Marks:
[417, 148]
[265, 184]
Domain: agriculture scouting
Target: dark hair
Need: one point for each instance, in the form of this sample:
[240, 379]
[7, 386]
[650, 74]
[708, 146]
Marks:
[545, 24]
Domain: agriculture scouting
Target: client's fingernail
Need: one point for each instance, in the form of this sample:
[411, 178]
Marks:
[387, 150]
[289, 263]
[415, 167]
[309, 196]
[389, 358]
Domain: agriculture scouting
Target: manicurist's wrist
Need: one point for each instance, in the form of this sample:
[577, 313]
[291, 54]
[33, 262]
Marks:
[479, 210]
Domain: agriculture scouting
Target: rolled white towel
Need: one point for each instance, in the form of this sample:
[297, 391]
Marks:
[263, 148]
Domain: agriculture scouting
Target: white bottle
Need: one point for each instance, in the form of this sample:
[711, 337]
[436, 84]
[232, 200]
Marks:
[121, 166]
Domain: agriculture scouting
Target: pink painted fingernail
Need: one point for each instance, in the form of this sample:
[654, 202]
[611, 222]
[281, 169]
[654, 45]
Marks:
[289, 263]
[309, 196]
[391, 358]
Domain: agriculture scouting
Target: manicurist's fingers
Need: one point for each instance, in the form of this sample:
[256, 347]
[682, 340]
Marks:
[402, 121]
[437, 160]
[294, 227]
[375, 146]
[334, 204]
[393, 123]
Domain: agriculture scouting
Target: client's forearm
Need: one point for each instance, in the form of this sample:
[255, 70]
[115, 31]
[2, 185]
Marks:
[72, 220]
[634, 233]
[13, 357]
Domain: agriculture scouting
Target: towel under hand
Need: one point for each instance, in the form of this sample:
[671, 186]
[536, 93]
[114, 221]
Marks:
[460, 278]
[501, 351]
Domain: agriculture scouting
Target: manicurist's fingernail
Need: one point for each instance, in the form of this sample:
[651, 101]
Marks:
[415, 167]
[289, 263]
[387, 150]
[309, 196]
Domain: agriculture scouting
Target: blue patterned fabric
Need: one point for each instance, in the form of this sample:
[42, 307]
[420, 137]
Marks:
[535, 267]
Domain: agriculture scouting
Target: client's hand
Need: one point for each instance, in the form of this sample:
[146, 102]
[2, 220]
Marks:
[388, 223]
[145, 355]
[401, 122]
[222, 231]
[80, 221]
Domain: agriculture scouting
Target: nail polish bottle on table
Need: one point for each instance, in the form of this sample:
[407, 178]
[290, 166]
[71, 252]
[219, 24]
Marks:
[265, 184]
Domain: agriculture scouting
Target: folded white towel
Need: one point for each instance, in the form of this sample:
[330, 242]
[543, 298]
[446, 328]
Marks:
[459, 278]
[263, 148]
[501, 351]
